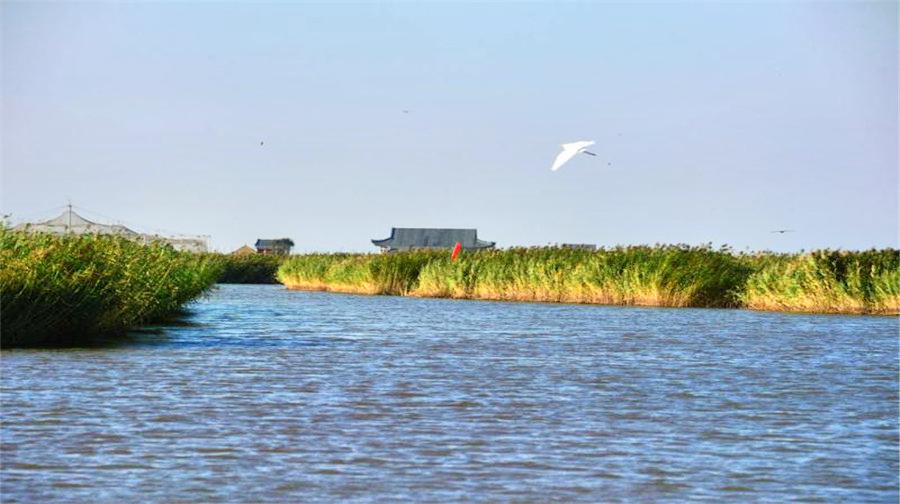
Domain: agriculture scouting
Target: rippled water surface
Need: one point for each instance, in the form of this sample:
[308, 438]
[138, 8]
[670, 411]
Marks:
[271, 395]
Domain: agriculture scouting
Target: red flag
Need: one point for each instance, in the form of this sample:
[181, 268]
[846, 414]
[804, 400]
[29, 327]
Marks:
[456, 250]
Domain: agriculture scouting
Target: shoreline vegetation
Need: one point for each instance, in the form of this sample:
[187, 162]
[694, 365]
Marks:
[68, 290]
[824, 281]
[247, 269]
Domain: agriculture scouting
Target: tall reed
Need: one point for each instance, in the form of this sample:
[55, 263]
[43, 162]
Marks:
[67, 289]
[826, 281]
[356, 273]
[662, 275]
[247, 269]
[659, 276]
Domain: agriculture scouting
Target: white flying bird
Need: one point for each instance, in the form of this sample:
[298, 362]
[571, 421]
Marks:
[569, 151]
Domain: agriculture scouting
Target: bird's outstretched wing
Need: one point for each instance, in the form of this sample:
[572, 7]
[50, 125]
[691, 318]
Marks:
[563, 158]
[569, 151]
[577, 146]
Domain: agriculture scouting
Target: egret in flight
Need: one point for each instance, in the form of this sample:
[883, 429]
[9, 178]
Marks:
[570, 150]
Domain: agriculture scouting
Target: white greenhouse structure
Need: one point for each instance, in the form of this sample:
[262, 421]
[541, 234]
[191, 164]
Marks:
[69, 222]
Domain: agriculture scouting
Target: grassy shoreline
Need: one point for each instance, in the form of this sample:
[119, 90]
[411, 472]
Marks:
[66, 290]
[63, 290]
[670, 275]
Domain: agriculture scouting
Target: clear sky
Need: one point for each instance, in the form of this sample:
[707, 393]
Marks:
[714, 122]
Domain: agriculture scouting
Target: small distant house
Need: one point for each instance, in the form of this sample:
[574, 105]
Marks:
[245, 250]
[431, 238]
[280, 246]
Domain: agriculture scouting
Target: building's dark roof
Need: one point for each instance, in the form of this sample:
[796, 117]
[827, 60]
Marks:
[407, 238]
[280, 242]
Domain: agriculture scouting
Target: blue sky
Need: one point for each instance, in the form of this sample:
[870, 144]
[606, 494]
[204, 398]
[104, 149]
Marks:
[714, 122]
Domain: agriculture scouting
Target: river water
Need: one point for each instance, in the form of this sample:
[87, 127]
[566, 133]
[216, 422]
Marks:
[264, 394]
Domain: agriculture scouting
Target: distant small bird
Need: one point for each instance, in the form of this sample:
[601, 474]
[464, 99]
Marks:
[570, 150]
[260, 143]
[782, 231]
[406, 111]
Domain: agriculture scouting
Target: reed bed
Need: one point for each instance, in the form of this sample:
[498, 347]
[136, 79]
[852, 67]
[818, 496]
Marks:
[825, 281]
[652, 276]
[247, 269]
[662, 275]
[395, 274]
[63, 290]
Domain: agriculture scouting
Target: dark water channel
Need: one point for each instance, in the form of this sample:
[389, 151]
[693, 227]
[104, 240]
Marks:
[277, 396]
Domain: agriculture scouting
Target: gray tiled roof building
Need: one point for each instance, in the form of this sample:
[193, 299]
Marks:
[429, 238]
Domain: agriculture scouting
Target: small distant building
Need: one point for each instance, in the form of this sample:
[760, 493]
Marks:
[280, 246]
[70, 222]
[431, 238]
[245, 250]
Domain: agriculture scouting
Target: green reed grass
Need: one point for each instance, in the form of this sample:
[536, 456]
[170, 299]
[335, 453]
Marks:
[359, 273]
[247, 269]
[825, 281]
[659, 276]
[662, 275]
[68, 289]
